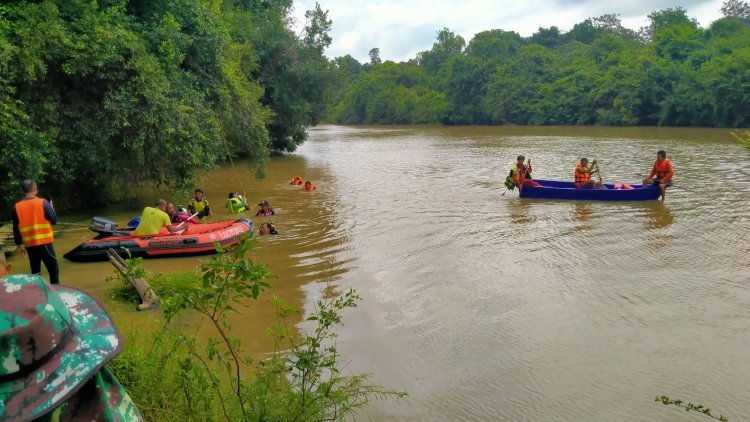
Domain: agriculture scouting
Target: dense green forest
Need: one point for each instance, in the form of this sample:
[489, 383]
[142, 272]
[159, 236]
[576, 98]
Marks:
[671, 73]
[98, 95]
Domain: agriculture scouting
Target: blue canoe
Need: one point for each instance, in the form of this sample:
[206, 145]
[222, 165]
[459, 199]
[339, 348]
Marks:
[552, 189]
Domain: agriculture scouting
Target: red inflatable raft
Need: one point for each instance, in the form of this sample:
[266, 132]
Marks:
[197, 239]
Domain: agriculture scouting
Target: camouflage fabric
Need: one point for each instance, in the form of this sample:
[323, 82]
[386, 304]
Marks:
[102, 398]
[53, 339]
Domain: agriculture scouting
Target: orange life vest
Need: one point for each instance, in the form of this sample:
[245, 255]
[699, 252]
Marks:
[663, 169]
[581, 177]
[296, 181]
[311, 187]
[34, 227]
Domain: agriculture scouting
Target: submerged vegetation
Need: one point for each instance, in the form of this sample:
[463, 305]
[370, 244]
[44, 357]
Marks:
[174, 376]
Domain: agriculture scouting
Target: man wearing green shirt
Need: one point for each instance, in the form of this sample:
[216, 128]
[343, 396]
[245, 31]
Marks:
[154, 218]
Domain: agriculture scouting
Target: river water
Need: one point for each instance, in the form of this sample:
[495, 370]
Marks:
[484, 306]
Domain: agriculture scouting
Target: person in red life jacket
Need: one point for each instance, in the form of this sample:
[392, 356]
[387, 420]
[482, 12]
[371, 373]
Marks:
[179, 216]
[308, 186]
[265, 209]
[33, 219]
[520, 173]
[661, 174]
[296, 181]
[583, 175]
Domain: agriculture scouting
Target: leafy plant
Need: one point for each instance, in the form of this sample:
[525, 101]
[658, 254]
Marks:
[743, 138]
[690, 407]
[173, 376]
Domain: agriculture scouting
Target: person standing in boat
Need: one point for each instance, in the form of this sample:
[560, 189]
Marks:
[154, 218]
[663, 171]
[583, 175]
[33, 219]
[520, 174]
[199, 205]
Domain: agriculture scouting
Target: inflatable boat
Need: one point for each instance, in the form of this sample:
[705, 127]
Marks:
[196, 239]
[553, 189]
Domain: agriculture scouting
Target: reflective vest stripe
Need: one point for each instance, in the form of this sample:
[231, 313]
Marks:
[34, 227]
[27, 239]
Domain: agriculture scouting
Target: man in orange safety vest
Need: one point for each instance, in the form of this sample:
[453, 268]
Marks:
[33, 218]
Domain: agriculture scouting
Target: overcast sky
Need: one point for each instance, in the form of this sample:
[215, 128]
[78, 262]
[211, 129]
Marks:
[401, 29]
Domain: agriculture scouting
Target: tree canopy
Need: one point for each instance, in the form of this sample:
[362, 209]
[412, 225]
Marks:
[99, 95]
[672, 72]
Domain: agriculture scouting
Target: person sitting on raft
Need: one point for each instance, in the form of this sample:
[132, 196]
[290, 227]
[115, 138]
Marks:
[308, 186]
[236, 203]
[663, 171]
[154, 218]
[199, 205]
[296, 181]
[265, 209]
[583, 175]
[179, 216]
[267, 228]
[520, 174]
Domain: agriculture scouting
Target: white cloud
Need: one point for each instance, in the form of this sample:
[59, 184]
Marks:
[401, 29]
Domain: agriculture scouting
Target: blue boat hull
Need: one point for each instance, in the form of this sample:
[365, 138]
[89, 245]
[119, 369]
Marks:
[552, 189]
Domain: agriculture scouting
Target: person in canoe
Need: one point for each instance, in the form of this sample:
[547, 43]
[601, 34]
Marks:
[199, 205]
[265, 209]
[154, 218]
[236, 203]
[661, 174]
[520, 174]
[583, 175]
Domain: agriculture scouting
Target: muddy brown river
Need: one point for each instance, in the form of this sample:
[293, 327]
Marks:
[485, 306]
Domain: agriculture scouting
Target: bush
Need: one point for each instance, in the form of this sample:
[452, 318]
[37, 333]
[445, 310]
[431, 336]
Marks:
[173, 376]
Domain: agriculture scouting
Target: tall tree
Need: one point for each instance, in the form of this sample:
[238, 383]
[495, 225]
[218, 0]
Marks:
[447, 45]
[736, 9]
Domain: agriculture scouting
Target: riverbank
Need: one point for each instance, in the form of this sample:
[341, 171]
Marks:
[296, 257]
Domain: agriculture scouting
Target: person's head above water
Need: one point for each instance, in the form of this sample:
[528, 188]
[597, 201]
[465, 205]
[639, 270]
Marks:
[520, 158]
[232, 195]
[584, 161]
[267, 228]
[661, 155]
[170, 208]
[199, 194]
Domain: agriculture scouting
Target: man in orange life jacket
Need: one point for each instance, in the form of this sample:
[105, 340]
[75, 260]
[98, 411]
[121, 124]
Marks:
[33, 219]
[663, 171]
[582, 175]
